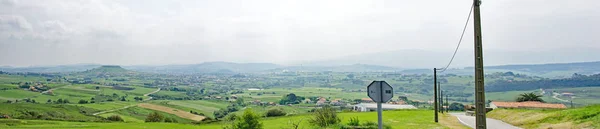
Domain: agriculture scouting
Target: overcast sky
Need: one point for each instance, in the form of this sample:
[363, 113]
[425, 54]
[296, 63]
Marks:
[132, 32]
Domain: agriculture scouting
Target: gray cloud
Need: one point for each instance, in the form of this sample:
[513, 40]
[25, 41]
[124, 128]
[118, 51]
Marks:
[181, 31]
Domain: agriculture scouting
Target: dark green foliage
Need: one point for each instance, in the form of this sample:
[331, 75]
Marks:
[170, 120]
[529, 97]
[275, 112]
[154, 117]
[248, 120]
[456, 107]
[115, 118]
[83, 101]
[324, 117]
[291, 99]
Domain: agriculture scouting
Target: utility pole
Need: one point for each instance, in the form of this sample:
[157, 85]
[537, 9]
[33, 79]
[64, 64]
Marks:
[480, 121]
[571, 101]
[447, 103]
[435, 93]
[441, 98]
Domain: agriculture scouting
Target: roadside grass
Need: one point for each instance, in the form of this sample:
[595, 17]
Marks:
[401, 119]
[42, 124]
[584, 117]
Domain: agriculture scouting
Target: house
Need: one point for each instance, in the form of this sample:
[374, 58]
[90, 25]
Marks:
[233, 97]
[567, 94]
[365, 107]
[366, 100]
[527, 104]
[307, 101]
[337, 102]
[256, 102]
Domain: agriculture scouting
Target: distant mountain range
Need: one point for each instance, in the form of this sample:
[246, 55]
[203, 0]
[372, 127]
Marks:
[544, 70]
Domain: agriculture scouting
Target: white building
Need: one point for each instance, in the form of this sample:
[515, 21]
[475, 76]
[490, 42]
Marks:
[365, 107]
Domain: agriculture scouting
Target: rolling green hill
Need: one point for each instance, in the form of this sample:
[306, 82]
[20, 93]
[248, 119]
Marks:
[584, 117]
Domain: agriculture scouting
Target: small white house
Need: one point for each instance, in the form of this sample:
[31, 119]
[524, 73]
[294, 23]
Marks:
[365, 107]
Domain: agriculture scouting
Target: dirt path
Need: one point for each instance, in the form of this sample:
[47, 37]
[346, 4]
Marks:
[182, 114]
[102, 112]
[50, 90]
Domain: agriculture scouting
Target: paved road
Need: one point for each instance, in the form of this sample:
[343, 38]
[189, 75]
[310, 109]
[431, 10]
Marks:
[491, 123]
[150, 98]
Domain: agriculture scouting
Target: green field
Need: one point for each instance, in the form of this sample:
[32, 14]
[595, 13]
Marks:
[201, 106]
[403, 119]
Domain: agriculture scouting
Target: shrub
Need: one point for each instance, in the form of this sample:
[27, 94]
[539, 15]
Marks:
[324, 117]
[231, 117]
[354, 121]
[154, 117]
[248, 120]
[83, 101]
[275, 112]
[170, 120]
[115, 118]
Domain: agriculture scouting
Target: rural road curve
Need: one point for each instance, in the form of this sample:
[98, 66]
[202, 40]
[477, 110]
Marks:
[555, 96]
[491, 123]
[157, 90]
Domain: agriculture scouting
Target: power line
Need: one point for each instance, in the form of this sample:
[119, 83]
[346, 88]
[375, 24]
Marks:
[459, 41]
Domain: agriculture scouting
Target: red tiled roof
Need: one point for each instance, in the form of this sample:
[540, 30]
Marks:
[528, 104]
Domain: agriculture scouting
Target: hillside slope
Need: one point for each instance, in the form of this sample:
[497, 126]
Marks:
[585, 117]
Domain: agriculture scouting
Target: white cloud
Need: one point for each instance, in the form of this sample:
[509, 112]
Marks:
[182, 31]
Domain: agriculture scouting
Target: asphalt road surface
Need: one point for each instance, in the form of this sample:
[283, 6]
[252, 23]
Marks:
[491, 123]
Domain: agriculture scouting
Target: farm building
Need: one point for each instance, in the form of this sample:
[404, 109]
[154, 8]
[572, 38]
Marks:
[365, 107]
[528, 104]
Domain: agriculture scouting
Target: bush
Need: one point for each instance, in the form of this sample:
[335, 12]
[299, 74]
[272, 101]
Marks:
[154, 117]
[170, 120]
[115, 118]
[324, 117]
[83, 101]
[231, 117]
[275, 112]
[354, 121]
[248, 120]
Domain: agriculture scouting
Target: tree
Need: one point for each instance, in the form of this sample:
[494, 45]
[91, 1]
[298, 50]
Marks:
[115, 118]
[324, 117]
[49, 101]
[275, 112]
[456, 107]
[83, 101]
[248, 120]
[97, 87]
[154, 117]
[529, 97]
